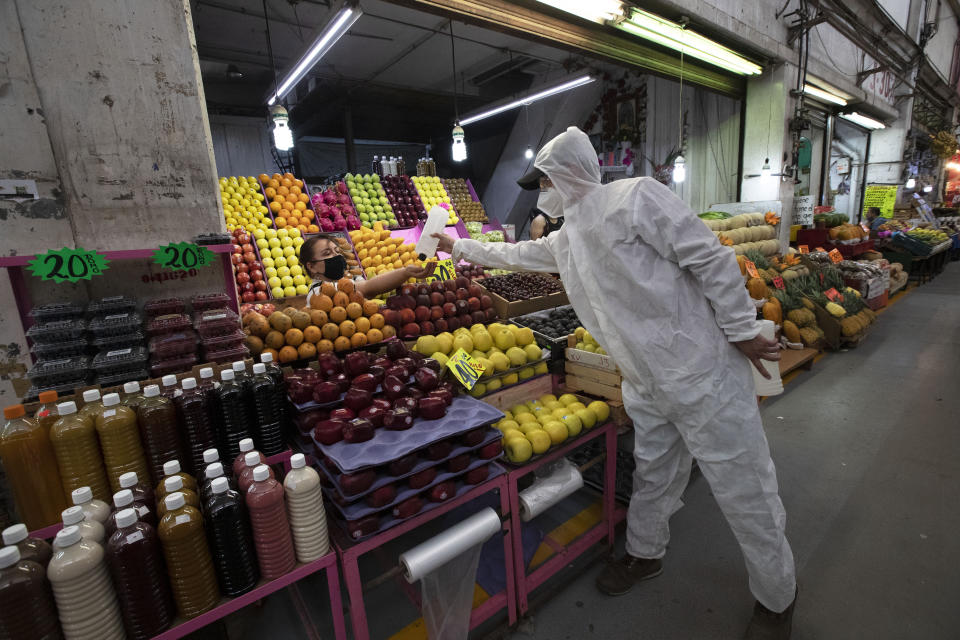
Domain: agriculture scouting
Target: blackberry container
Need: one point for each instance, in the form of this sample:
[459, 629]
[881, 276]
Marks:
[216, 322]
[57, 331]
[111, 306]
[56, 311]
[164, 306]
[120, 377]
[226, 342]
[168, 323]
[208, 301]
[55, 372]
[121, 341]
[129, 358]
[117, 324]
[55, 350]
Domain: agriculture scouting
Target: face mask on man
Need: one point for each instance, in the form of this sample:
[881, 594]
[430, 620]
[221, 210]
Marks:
[550, 203]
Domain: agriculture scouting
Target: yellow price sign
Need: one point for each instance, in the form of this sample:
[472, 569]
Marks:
[444, 270]
[465, 368]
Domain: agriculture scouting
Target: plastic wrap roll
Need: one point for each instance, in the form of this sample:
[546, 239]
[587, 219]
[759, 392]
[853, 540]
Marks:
[548, 491]
[428, 556]
[774, 386]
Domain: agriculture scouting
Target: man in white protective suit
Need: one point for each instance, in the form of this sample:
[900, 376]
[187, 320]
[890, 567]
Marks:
[657, 290]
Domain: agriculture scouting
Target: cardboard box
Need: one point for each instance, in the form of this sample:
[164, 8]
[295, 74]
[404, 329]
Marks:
[506, 309]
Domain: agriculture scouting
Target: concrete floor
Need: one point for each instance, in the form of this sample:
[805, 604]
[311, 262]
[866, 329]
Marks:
[866, 448]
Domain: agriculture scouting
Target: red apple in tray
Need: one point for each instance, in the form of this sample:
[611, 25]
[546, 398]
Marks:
[478, 475]
[353, 483]
[422, 478]
[358, 430]
[365, 381]
[324, 392]
[357, 399]
[329, 364]
[382, 496]
[365, 526]
[408, 508]
[374, 414]
[439, 450]
[490, 451]
[408, 403]
[427, 379]
[402, 466]
[329, 431]
[356, 363]
[397, 419]
[342, 413]
[474, 437]
[442, 492]
[458, 463]
[431, 408]
[394, 387]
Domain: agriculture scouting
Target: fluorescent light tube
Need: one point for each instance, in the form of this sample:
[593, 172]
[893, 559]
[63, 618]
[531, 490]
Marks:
[594, 10]
[320, 46]
[862, 120]
[670, 34]
[817, 92]
[533, 97]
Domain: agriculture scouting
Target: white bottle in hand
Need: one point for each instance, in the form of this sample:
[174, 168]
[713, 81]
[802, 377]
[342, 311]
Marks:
[427, 245]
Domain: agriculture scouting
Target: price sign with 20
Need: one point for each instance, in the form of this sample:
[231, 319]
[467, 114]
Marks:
[183, 256]
[68, 265]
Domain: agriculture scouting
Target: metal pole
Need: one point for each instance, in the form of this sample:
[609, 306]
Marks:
[825, 160]
[348, 139]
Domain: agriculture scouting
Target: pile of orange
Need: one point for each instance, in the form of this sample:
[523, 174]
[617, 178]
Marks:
[379, 252]
[338, 318]
[289, 202]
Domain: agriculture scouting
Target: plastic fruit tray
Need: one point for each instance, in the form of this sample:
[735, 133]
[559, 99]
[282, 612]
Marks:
[232, 340]
[162, 367]
[112, 305]
[62, 388]
[121, 341]
[207, 301]
[58, 371]
[120, 359]
[168, 323]
[119, 377]
[54, 350]
[465, 414]
[57, 331]
[164, 307]
[56, 311]
[216, 322]
[227, 355]
[172, 345]
[114, 325]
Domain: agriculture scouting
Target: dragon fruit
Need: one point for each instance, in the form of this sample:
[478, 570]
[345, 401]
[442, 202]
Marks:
[326, 225]
[315, 200]
[330, 198]
[321, 209]
[353, 223]
[343, 199]
[347, 210]
[342, 187]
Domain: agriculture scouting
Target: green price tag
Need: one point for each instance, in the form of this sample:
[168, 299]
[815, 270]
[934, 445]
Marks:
[443, 271]
[68, 265]
[183, 256]
[465, 367]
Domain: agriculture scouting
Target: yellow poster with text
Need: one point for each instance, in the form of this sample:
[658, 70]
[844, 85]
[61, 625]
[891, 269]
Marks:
[883, 196]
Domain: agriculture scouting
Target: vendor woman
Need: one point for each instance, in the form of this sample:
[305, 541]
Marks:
[321, 258]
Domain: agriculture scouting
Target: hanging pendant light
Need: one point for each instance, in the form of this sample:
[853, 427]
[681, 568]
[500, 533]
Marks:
[765, 169]
[679, 170]
[528, 154]
[911, 183]
[459, 148]
[282, 135]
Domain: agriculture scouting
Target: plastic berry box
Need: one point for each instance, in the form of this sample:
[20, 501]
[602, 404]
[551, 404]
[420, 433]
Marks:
[227, 355]
[60, 370]
[179, 364]
[121, 341]
[223, 342]
[112, 305]
[216, 322]
[56, 311]
[62, 388]
[173, 345]
[169, 323]
[54, 350]
[120, 377]
[115, 324]
[120, 359]
[57, 331]
[164, 306]
[208, 301]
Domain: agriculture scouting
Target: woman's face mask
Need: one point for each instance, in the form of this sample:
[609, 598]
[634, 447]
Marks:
[550, 203]
[334, 267]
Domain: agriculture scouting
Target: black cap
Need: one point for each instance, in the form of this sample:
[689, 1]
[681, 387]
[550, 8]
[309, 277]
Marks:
[531, 179]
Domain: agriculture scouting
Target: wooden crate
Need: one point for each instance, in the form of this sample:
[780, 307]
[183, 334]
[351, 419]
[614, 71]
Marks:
[593, 374]
[506, 309]
[519, 393]
[609, 392]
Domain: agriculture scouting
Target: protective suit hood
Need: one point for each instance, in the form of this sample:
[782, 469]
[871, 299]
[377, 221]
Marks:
[571, 164]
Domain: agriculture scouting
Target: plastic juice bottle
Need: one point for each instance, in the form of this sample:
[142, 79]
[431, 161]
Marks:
[174, 484]
[233, 417]
[240, 462]
[172, 468]
[427, 244]
[135, 559]
[89, 529]
[189, 565]
[308, 523]
[77, 450]
[207, 381]
[35, 549]
[132, 396]
[93, 509]
[169, 388]
[86, 601]
[28, 609]
[142, 493]
[268, 412]
[229, 534]
[245, 479]
[91, 404]
[240, 373]
[122, 500]
[271, 530]
[119, 440]
[210, 456]
[280, 385]
[47, 414]
[214, 471]
[31, 469]
[157, 420]
[193, 412]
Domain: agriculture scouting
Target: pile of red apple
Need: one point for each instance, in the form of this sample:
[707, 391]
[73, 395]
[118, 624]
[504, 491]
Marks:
[247, 268]
[334, 209]
[470, 271]
[429, 309]
[403, 199]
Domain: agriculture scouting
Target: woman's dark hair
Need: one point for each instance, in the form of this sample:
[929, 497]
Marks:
[309, 246]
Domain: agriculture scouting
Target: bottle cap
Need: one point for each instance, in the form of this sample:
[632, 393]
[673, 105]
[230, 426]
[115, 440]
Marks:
[47, 396]
[226, 375]
[266, 358]
[210, 455]
[81, 495]
[131, 387]
[189, 383]
[151, 391]
[239, 366]
[91, 395]
[251, 459]
[13, 411]
[173, 483]
[67, 536]
[126, 517]
[128, 479]
[261, 473]
[122, 498]
[174, 501]
[9, 556]
[168, 380]
[15, 533]
[219, 485]
[171, 467]
[111, 399]
[246, 445]
[67, 408]
[214, 470]
[297, 461]
[72, 515]
[259, 368]
[206, 372]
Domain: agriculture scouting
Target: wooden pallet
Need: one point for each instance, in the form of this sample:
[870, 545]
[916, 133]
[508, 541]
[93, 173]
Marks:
[792, 359]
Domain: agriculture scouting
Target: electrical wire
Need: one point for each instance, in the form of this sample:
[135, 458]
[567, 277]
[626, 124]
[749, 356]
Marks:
[453, 58]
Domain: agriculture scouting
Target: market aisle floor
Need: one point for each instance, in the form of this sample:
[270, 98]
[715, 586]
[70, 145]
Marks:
[866, 448]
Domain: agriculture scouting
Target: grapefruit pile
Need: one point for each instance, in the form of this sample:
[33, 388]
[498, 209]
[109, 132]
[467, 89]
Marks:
[288, 202]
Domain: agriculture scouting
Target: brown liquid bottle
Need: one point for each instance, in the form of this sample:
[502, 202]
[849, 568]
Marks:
[28, 609]
[91, 404]
[31, 469]
[157, 419]
[174, 484]
[119, 440]
[93, 509]
[142, 492]
[122, 500]
[46, 413]
[89, 529]
[86, 601]
[271, 531]
[136, 565]
[308, 522]
[245, 479]
[34, 549]
[172, 468]
[169, 389]
[132, 397]
[189, 565]
[75, 444]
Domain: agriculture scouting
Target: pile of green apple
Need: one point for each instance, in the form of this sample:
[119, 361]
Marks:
[586, 342]
[532, 428]
[370, 200]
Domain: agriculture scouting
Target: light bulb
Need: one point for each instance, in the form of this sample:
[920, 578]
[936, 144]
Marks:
[928, 188]
[679, 170]
[765, 169]
[282, 135]
[528, 153]
[911, 183]
[459, 148]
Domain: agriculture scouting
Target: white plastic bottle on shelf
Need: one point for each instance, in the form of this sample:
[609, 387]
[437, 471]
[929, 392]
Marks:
[773, 386]
[427, 244]
[93, 509]
[308, 523]
[89, 529]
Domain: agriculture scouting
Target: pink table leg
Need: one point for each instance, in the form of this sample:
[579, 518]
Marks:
[336, 603]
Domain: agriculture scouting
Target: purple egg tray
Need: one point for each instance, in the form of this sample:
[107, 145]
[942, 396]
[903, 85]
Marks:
[465, 414]
[307, 406]
[423, 463]
[388, 521]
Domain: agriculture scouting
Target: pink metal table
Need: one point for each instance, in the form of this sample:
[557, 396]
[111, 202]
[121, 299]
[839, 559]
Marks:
[350, 557]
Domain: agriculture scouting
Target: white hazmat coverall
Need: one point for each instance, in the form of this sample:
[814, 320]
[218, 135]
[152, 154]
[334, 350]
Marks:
[657, 290]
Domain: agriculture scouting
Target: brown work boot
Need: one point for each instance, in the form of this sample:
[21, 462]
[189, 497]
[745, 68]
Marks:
[767, 625]
[619, 577]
